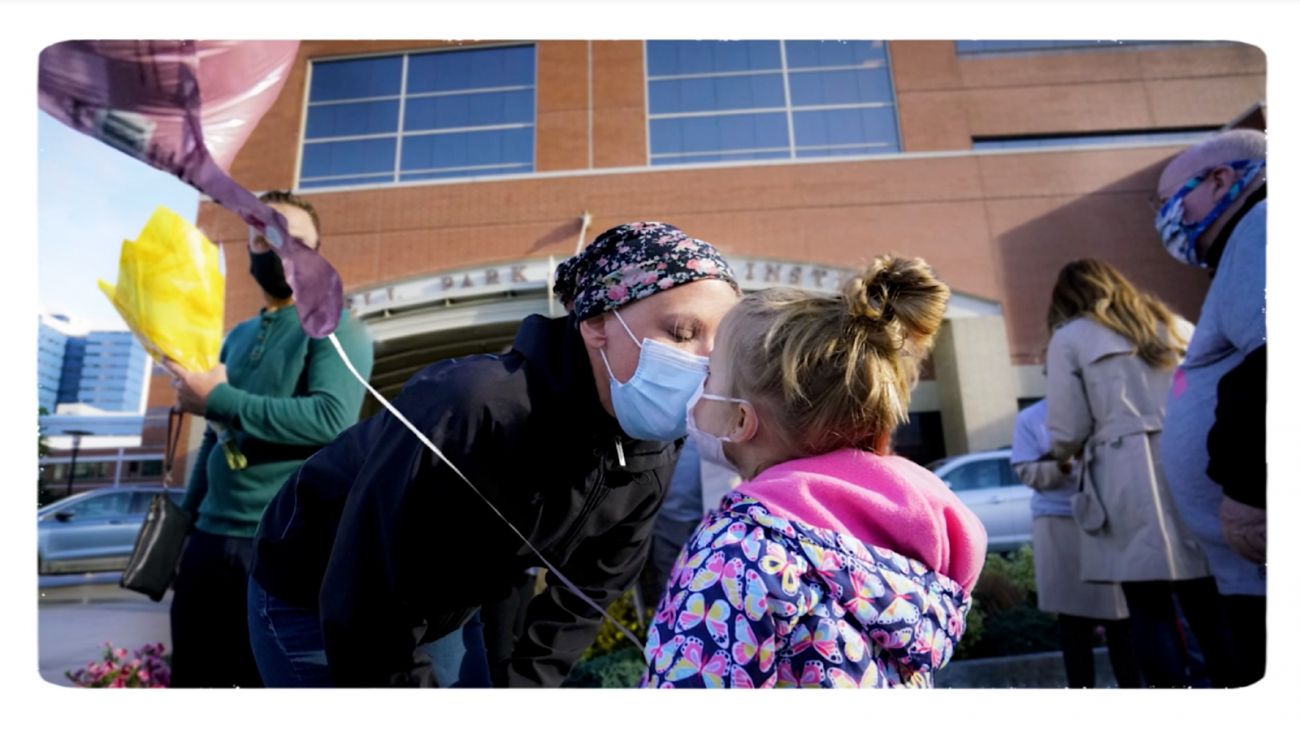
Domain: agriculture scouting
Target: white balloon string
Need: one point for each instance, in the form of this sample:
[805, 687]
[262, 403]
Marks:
[428, 444]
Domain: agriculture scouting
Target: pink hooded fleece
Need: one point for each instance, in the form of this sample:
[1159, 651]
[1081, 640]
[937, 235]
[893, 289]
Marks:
[885, 501]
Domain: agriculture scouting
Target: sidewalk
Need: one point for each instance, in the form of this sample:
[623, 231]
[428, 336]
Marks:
[76, 615]
[1033, 670]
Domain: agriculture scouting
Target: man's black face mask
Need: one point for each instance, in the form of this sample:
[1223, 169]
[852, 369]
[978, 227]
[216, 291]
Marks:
[269, 274]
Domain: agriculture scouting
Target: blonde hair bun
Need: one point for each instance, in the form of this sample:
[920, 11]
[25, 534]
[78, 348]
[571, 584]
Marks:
[899, 299]
[836, 371]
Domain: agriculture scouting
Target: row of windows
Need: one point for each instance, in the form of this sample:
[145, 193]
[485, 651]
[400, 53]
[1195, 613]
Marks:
[713, 101]
[1003, 46]
[102, 471]
[1177, 136]
[419, 116]
[472, 112]
[107, 385]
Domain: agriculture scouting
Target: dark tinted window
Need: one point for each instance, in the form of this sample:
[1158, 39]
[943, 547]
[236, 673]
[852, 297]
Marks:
[672, 58]
[1155, 136]
[1003, 46]
[473, 68]
[921, 438]
[356, 78]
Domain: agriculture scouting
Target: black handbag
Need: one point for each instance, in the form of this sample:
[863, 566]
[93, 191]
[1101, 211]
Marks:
[162, 537]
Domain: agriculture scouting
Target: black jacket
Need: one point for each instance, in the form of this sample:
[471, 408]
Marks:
[1235, 443]
[395, 549]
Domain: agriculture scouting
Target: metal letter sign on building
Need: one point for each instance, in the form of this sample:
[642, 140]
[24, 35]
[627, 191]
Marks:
[534, 275]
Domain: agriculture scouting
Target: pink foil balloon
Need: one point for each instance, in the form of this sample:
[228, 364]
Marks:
[186, 107]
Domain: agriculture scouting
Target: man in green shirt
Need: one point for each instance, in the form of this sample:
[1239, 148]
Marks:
[277, 396]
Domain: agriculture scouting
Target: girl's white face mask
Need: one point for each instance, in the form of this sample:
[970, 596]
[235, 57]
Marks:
[710, 445]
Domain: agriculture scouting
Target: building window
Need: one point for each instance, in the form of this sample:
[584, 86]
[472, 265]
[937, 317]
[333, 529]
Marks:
[1024, 402]
[974, 47]
[1040, 141]
[726, 101]
[920, 439]
[419, 116]
[86, 471]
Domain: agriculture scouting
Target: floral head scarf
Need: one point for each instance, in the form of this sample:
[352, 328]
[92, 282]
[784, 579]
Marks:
[633, 261]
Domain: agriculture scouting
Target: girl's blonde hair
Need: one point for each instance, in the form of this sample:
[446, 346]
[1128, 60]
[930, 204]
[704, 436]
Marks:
[1097, 290]
[837, 371]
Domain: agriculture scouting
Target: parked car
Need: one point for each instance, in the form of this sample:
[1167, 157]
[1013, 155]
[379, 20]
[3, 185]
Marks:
[93, 531]
[986, 483]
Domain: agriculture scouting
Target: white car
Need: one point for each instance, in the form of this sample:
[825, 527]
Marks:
[986, 483]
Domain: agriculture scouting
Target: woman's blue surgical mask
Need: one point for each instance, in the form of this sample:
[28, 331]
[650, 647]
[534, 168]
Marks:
[1180, 238]
[652, 405]
[709, 445]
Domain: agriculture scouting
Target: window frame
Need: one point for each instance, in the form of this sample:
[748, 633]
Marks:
[789, 110]
[398, 134]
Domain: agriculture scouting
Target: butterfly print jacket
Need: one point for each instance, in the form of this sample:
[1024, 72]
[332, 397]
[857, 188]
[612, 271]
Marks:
[758, 599]
[394, 549]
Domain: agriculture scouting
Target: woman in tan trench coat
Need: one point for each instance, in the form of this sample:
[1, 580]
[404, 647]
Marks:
[1110, 362]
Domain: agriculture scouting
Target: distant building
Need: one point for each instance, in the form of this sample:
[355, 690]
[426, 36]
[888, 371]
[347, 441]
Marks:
[113, 372]
[52, 342]
[93, 386]
[103, 369]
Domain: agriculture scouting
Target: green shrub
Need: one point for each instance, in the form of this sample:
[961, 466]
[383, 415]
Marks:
[1004, 618]
[609, 638]
[620, 669]
[974, 631]
[612, 661]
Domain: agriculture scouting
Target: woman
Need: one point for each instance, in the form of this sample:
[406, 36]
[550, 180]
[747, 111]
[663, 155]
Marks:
[1110, 362]
[375, 546]
[833, 564]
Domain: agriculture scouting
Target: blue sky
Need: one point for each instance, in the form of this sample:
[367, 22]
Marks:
[91, 197]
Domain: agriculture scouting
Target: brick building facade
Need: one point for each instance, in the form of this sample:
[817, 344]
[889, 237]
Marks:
[1008, 162]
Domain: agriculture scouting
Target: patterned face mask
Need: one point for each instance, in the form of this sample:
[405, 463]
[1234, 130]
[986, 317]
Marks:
[1180, 238]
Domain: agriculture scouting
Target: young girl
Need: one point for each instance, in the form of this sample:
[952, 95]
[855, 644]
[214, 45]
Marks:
[834, 564]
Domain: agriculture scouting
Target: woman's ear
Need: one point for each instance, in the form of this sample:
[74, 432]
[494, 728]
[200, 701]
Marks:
[593, 331]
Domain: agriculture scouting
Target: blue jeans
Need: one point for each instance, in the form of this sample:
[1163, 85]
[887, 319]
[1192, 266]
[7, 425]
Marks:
[290, 648]
[287, 642]
[460, 657]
